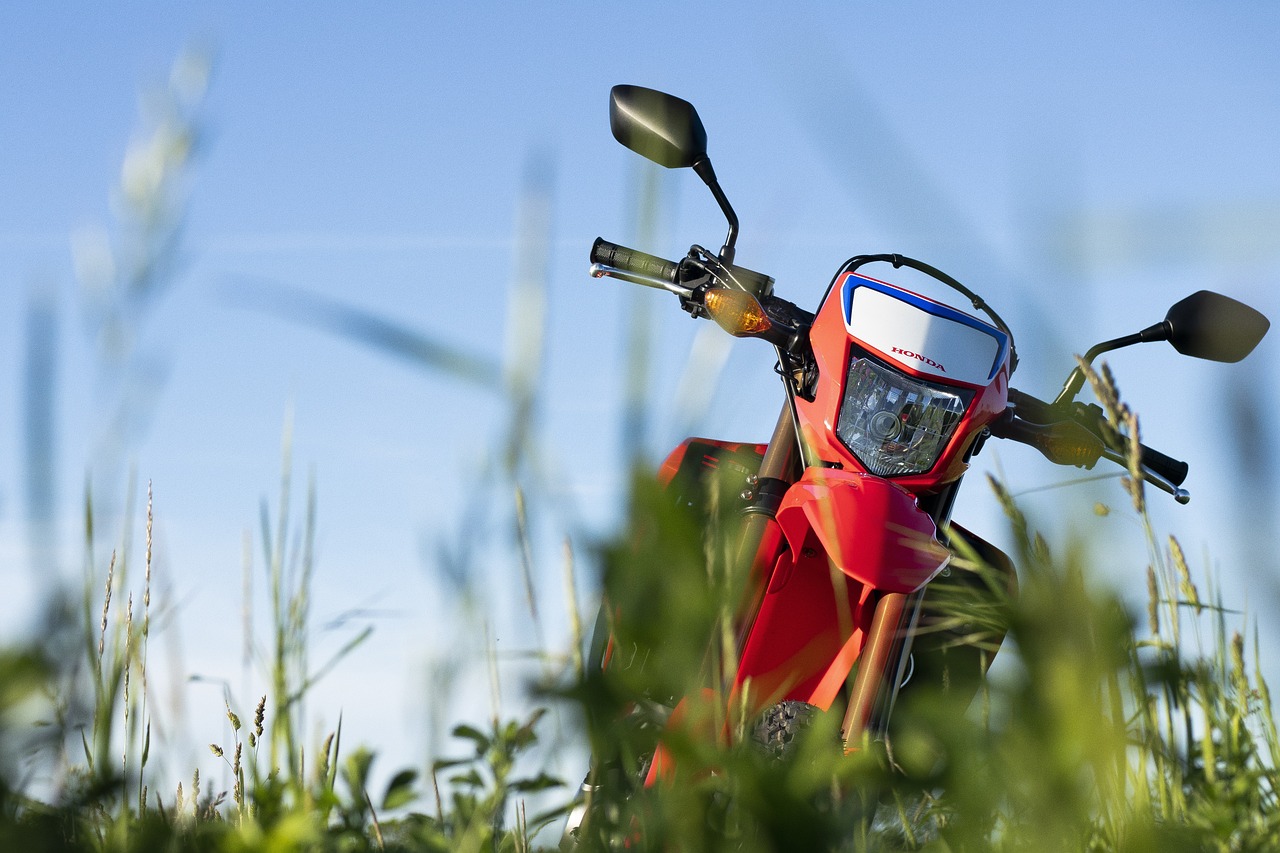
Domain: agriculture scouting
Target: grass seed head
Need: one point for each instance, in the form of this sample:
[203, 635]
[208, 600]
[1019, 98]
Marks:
[1133, 458]
[1185, 586]
[146, 596]
[106, 607]
[1237, 659]
[324, 757]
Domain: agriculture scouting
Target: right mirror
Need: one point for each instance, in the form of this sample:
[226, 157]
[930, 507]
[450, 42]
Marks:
[1215, 327]
[657, 126]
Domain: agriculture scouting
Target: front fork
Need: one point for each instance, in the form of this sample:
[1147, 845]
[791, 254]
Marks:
[882, 666]
[760, 538]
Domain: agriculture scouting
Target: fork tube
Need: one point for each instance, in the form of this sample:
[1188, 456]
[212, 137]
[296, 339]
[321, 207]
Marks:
[880, 663]
[760, 535]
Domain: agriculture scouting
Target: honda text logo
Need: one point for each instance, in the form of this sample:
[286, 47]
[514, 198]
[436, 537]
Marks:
[909, 354]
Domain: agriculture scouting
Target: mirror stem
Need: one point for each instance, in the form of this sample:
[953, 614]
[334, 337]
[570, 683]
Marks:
[1158, 332]
[703, 169]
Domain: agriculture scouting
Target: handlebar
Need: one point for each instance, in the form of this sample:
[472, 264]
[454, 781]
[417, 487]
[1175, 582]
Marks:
[634, 261]
[1080, 435]
[1173, 470]
[1067, 434]
[700, 274]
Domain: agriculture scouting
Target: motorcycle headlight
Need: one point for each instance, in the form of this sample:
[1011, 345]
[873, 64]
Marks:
[894, 424]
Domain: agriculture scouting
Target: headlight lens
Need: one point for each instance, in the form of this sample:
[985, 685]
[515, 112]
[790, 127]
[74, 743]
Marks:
[895, 424]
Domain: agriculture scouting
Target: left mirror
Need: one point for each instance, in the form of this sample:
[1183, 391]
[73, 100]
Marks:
[657, 126]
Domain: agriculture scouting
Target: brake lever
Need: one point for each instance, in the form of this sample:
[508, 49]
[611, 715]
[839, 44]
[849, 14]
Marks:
[1180, 494]
[602, 271]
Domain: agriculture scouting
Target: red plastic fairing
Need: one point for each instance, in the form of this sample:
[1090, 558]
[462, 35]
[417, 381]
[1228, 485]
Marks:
[850, 537]
[808, 634]
[706, 453]
[870, 528]
[831, 344]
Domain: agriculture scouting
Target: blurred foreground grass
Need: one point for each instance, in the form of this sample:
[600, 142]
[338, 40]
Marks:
[1109, 732]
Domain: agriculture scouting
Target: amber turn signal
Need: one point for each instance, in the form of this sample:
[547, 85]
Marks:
[1070, 443]
[736, 311]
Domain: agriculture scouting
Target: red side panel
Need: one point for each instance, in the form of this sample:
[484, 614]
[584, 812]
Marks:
[807, 635]
[870, 528]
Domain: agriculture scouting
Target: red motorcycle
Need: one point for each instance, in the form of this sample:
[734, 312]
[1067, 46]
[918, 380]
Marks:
[846, 509]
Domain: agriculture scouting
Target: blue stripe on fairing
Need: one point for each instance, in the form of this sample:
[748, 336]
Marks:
[937, 309]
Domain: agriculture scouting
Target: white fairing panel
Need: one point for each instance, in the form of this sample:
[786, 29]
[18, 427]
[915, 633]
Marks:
[913, 332]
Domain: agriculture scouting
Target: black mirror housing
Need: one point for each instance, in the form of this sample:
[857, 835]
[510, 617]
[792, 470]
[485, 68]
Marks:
[657, 126]
[1211, 326]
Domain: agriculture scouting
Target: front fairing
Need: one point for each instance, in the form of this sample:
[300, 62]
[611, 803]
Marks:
[918, 338]
[847, 539]
[869, 528]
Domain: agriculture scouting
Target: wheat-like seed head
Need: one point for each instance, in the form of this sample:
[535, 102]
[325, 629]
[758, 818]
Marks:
[259, 715]
[146, 594]
[1185, 586]
[324, 757]
[1134, 460]
[128, 657]
[106, 606]
[238, 792]
[1237, 658]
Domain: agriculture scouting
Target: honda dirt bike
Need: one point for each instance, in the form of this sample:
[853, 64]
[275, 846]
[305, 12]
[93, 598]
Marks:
[845, 511]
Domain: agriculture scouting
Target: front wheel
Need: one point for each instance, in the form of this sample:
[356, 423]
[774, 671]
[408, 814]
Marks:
[779, 727]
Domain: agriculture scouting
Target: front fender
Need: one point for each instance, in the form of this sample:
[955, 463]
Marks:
[871, 529]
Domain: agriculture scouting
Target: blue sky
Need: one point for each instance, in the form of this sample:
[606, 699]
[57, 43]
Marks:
[1082, 167]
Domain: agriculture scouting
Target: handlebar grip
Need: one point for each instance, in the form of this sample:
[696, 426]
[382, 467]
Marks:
[1171, 469]
[632, 261]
